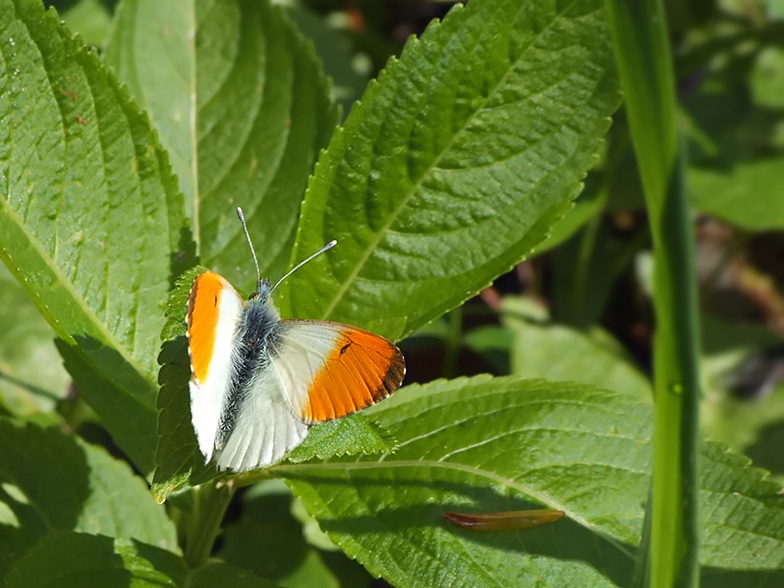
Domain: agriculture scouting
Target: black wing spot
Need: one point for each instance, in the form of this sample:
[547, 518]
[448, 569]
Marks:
[344, 348]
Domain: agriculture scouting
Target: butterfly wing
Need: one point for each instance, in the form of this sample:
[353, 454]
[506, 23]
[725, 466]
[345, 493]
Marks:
[239, 410]
[315, 371]
[329, 370]
[265, 428]
[214, 313]
[258, 383]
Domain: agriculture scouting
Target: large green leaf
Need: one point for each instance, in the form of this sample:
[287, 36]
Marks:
[74, 560]
[455, 163]
[91, 218]
[347, 436]
[243, 110]
[483, 445]
[51, 481]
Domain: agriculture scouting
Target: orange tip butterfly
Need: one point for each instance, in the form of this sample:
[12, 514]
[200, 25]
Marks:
[258, 382]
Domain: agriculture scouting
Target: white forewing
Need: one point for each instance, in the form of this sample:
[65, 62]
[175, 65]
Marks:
[208, 397]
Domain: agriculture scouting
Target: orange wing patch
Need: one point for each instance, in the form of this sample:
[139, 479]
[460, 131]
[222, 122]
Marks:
[362, 369]
[202, 321]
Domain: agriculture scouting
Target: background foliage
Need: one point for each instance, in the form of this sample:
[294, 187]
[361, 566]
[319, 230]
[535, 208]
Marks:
[490, 215]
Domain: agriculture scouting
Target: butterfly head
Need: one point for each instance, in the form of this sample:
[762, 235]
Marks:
[263, 290]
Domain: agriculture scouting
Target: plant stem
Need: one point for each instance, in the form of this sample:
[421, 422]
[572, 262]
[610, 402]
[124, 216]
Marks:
[453, 341]
[642, 52]
[579, 290]
[209, 504]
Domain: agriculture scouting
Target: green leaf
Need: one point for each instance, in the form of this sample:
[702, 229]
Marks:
[243, 112]
[455, 163]
[74, 559]
[269, 541]
[349, 436]
[91, 19]
[334, 48]
[91, 219]
[559, 353]
[486, 445]
[120, 414]
[748, 195]
[50, 481]
[743, 520]
[737, 171]
[32, 378]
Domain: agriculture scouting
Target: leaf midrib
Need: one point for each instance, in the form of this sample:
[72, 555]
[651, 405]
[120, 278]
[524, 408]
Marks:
[472, 470]
[404, 202]
[93, 319]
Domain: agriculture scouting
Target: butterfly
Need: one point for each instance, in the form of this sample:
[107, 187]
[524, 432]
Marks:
[258, 382]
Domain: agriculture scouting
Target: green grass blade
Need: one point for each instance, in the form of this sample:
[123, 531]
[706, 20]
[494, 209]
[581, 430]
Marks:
[642, 52]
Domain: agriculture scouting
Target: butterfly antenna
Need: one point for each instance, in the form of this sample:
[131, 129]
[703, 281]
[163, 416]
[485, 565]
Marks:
[326, 247]
[245, 227]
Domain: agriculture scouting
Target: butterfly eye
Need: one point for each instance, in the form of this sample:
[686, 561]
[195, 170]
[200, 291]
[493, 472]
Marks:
[252, 296]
